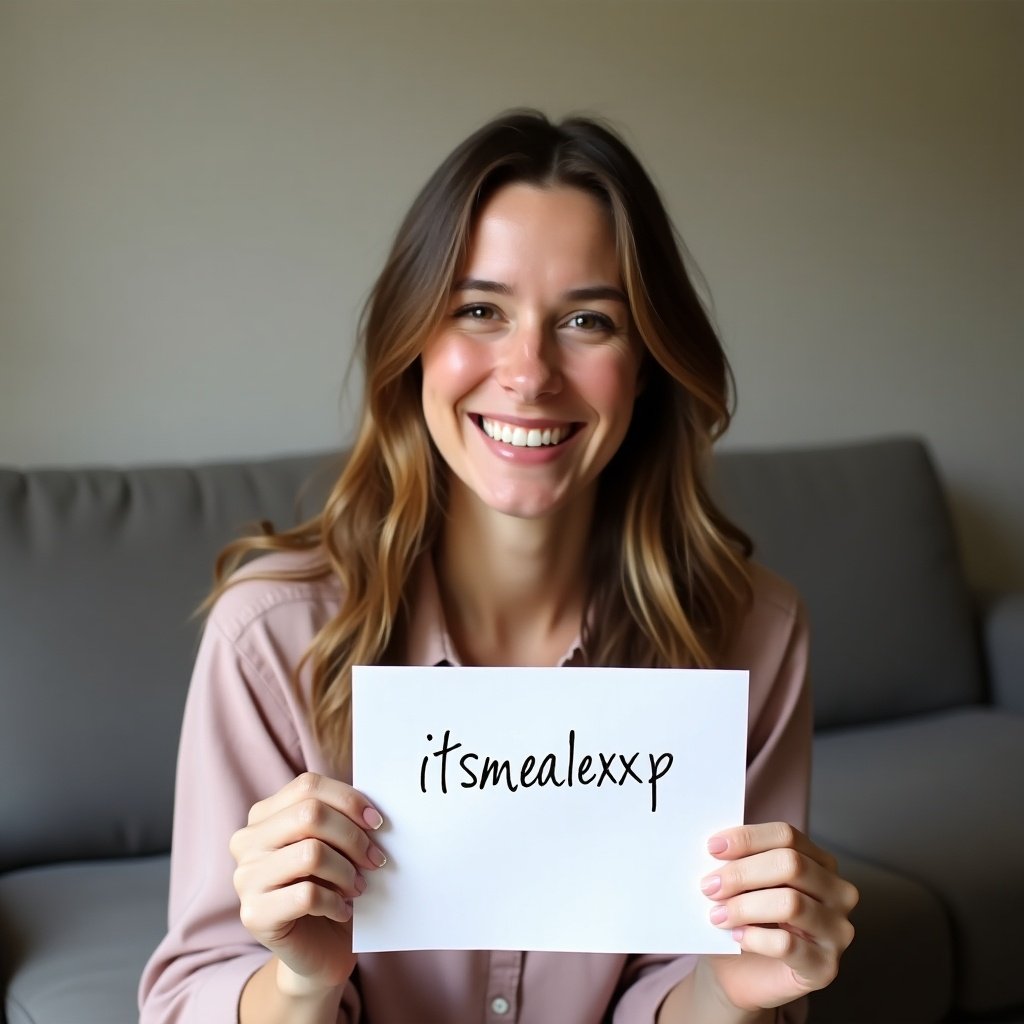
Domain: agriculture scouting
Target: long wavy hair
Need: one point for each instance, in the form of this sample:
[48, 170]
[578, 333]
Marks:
[668, 579]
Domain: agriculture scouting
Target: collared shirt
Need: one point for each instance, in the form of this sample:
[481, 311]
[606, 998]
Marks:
[246, 734]
[428, 641]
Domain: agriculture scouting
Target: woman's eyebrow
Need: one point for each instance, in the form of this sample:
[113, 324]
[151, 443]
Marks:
[476, 284]
[599, 291]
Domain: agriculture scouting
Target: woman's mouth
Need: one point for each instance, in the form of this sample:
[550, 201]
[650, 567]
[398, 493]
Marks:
[525, 437]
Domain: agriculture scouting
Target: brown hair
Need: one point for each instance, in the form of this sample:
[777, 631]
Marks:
[668, 578]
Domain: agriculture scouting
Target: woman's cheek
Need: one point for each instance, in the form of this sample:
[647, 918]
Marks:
[608, 381]
[454, 364]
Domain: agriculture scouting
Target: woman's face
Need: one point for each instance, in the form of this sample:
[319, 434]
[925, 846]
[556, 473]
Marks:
[529, 380]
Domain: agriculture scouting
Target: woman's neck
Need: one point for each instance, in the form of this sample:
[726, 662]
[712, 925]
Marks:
[513, 589]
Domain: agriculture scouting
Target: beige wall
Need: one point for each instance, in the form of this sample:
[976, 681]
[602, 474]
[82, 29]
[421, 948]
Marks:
[194, 198]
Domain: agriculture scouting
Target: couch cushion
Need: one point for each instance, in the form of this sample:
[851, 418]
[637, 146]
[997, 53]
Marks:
[894, 913]
[863, 532]
[76, 937]
[101, 573]
[939, 799]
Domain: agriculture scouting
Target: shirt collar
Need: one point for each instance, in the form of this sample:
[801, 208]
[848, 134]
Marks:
[429, 642]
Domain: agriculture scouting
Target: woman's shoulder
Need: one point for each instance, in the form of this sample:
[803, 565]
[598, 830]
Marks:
[774, 596]
[774, 621]
[280, 590]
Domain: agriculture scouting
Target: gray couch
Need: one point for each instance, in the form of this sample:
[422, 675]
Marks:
[919, 705]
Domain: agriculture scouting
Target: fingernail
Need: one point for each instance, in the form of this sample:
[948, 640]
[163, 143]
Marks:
[719, 914]
[360, 883]
[717, 845]
[376, 856]
[372, 818]
[737, 934]
[711, 885]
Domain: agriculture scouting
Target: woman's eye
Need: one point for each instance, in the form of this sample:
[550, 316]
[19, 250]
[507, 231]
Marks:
[590, 322]
[476, 312]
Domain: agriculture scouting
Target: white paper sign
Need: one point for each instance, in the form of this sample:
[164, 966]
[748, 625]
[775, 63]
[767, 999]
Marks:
[562, 809]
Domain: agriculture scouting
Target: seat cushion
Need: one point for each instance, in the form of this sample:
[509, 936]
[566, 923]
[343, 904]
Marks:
[76, 937]
[903, 948]
[79, 935]
[939, 799]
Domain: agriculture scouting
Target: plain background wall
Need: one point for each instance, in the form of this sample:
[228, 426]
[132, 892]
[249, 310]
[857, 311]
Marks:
[195, 198]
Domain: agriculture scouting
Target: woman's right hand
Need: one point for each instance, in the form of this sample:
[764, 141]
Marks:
[300, 862]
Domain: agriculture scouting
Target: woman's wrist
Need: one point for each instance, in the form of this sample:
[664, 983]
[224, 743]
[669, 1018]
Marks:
[275, 994]
[712, 994]
[699, 997]
[299, 987]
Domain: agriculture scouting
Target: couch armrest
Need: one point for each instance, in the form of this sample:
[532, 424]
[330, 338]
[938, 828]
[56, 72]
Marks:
[1004, 648]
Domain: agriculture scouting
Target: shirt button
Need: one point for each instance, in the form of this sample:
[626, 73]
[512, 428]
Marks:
[500, 1005]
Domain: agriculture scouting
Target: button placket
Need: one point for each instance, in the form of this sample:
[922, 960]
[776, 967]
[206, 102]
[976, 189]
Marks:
[504, 972]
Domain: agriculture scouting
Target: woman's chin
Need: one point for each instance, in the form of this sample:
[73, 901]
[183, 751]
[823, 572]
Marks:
[529, 503]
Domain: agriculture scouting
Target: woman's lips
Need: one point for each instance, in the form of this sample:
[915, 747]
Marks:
[526, 441]
[535, 435]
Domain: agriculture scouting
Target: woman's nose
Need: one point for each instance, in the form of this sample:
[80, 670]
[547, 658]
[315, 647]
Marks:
[528, 364]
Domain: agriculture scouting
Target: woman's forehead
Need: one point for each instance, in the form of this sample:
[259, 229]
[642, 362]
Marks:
[527, 233]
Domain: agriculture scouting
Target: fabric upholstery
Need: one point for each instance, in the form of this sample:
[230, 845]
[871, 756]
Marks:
[1004, 636]
[895, 913]
[874, 557]
[101, 573]
[938, 799]
[76, 937]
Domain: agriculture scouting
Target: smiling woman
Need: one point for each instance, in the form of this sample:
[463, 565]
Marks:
[543, 388]
[518, 356]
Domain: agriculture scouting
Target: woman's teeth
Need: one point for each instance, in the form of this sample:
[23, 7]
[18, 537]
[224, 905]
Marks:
[520, 437]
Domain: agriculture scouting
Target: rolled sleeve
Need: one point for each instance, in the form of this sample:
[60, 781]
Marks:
[240, 743]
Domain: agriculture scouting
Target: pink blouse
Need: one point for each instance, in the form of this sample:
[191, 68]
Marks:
[245, 735]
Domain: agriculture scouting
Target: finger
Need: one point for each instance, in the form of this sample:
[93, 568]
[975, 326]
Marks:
[308, 819]
[786, 909]
[270, 917]
[816, 966]
[309, 859]
[339, 795]
[780, 868]
[746, 840]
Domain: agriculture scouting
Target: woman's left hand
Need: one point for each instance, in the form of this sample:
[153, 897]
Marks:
[785, 903]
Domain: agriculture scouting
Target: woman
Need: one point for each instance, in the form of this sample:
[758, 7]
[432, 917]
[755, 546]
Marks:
[542, 391]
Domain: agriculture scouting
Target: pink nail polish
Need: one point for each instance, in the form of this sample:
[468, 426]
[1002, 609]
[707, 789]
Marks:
[372, 818]
[717, 845]
[711, 885]
[719, 914]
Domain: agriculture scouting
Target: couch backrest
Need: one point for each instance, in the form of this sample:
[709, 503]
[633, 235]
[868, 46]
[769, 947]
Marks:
[864, 533]
[100, 572]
